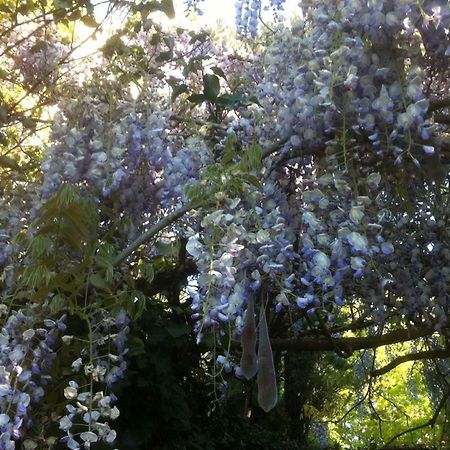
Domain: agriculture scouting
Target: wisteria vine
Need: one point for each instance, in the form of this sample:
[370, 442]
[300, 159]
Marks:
[303, 231]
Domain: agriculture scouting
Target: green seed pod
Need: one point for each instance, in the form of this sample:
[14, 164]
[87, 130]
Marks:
[249, 362]
[266, 379]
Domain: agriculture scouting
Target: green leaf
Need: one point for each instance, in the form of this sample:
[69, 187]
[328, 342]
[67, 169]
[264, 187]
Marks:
[178, 90]
[232, 100]
[135, 346]
[168, 8]
[105, 262]
[252, 159]
[3, 114]
[178, 330]
[169, 41]
[137, 27]
[146, 7]
[254, 99]
[167, 249]
[40, 246]
[198, 37]
[9, 163]
[28, 123]
[37, 276]
[71, 238]
[197, 98]
[230, 141]
[155, 39]
[164, 56]
[147, 271]
[74, 218]
[211, 86]
[134, 302]
[62, 4]
[252, 180]
[219, 72]
[40, 45]
[230, 148]
[57, 304]
[114, 45]
[67, 196]
[98, 282]
[89, 21]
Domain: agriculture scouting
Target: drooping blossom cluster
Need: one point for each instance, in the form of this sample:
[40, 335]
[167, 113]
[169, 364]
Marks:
[40, 59]
[28, 347]
[310, 259]
[102, 363]
[115, 151]
[333, 86]
[249, 14]
[336, 76]
[236, 248]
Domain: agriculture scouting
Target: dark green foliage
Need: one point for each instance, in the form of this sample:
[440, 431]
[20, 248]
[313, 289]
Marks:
[167, 399]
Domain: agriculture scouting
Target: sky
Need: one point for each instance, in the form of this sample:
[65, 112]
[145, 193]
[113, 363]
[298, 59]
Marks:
[222, 11]
[214, 12]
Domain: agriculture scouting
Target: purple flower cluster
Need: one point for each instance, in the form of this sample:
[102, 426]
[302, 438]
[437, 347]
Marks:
[40, 59]
[116, 150]
[336, 75]
[248, 14]
[342, 237]
[183, 169]
[27, 352]
[101, 363]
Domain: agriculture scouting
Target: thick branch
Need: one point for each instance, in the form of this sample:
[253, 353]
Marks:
[439, 103]
[429, 354]
[350, 344]
[149, 234]
[177, 214]
[442, 118]
[273, 147]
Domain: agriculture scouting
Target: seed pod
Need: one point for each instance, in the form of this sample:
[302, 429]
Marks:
[266, 379]
[249, 362]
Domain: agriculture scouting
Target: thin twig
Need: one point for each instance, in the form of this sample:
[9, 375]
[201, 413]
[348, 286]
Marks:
[430, 423]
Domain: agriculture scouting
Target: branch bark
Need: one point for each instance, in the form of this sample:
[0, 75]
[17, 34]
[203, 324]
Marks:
[151, 232]
[429, 354]
[351, 344]
[442, 118]
[439, 103]
[177, 214]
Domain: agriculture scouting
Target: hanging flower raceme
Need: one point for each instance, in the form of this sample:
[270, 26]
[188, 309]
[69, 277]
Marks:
[27, 352]
[102, 363]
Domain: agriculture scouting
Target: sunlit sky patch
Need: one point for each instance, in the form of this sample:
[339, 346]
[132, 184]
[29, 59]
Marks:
[215, 13]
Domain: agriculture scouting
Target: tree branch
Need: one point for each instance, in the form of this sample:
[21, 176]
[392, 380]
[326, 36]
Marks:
[177, 214]
[429, 423]
[429, 354]
[351, 344]
[442, 118]
[331, 340]
[150, 233]
[439, 103]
